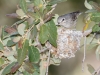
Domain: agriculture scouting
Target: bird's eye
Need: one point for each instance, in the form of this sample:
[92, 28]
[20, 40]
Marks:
[63, 19]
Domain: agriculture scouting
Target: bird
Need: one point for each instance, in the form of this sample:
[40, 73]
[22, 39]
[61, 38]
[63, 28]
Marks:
[68, 20]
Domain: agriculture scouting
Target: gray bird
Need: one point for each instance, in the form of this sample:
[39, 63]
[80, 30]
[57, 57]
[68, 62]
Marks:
[68, 20]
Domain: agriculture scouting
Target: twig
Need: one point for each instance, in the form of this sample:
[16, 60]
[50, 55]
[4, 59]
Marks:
[87, 32]
[19, 22]
[93, 38]
[96, 71]
[48, 60]
[84, 53]
[44, 50]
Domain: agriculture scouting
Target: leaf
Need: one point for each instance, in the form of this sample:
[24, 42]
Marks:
[22, 52]
[34, 54]
[87, 5]
[34, 32]
[90, 68]
[21, 14]
[11, 58]
[1, 46]
[5, 41]
[95, 17]
[10, 43]
[86, 25]
[3, 33]
[28, 67]
[95, 5]
[1, 61]
[55, 61]
[16, 39]
[35, 73]
[12, 15]
[8, 69]
[52, 2]
[95, 28]
[26, 73]
[43, 34]
[91, 46]
[21, 28]
[10, 30]
[89, 39]
[97, 52]
[52, 32]
[37, 2]
[43, 67]
[15, 67]
[23, 5]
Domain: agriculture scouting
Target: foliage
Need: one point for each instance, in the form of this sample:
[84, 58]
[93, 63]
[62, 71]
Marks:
[93, 16]
[22, 43]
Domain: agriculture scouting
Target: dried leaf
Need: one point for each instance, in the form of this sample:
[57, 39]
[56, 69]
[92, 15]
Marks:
[15, 68]
[22, 52]
[10, 30]
[86, 25]
[21, 28]
[20, 43]
[12, 15]
[8, 68]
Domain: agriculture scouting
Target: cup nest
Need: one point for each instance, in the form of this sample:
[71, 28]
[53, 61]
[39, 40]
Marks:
[68, 42]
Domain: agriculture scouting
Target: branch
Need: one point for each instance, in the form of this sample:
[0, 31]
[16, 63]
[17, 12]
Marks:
[87, 32]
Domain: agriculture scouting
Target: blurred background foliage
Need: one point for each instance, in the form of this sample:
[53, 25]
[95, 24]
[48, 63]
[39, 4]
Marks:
[71, 66]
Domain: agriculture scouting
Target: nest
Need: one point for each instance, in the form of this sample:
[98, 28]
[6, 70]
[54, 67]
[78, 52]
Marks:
[68, 42]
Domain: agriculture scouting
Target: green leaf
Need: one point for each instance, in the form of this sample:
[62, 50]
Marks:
[92, 46]
[90, 68]
[52, 32]
[95, 5]
[35, 73]
[96, 28]
[37, 2]
[23, 5]
[10, 43]
[52, 2]
[40, 5]
[95, 17]
[1, 46]
[22, 52]
[26, 73]
[43, 67]
[43, 34]
[3, 33]
[8, 68]
[98, 53]
[34, 32]
[1, 61]
[5, 41]
[34, 54]
[55, 61]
